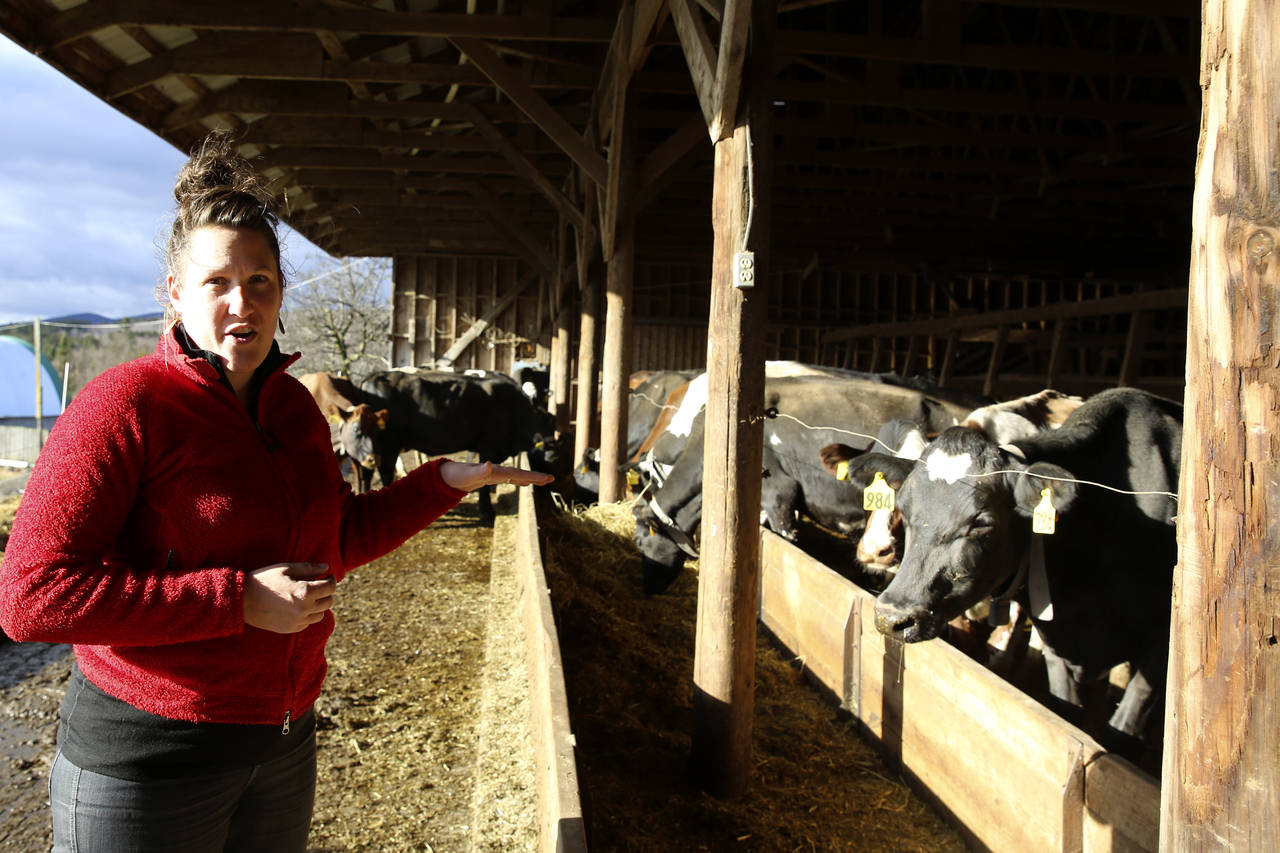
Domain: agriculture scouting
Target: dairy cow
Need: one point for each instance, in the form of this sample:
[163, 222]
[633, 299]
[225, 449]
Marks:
[354, 425]
[880, 546]
[439, 412]
[1098, 588]
[666, 441]
[811, 412]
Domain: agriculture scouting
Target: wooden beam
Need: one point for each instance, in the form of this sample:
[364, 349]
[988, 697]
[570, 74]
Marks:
[671, 151]
[1222, 722]
[1152, 300]
[613, 128]
[525, 167]
[530, 246]
[249, 15]
[735, 24]
[648, 15]
[477, 328]
[700, 55]
[516, 86]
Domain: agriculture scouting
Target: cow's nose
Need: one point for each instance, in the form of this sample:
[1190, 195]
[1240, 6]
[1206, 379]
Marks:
[882, 555]
[891, 620]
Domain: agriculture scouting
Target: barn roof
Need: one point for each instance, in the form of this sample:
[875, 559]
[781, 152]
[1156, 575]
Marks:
[1058, 136]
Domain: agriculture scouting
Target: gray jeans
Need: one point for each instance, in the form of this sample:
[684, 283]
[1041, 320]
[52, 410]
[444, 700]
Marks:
[263, 808]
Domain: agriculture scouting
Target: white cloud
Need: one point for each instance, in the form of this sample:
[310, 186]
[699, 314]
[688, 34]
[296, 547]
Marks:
[86, 196]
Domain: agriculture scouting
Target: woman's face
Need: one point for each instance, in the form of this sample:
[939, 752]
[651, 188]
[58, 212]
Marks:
[229, 297]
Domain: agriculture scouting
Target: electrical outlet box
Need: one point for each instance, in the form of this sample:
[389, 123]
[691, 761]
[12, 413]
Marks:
[744, 266]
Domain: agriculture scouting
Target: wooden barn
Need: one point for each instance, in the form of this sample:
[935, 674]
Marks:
[1003, 195]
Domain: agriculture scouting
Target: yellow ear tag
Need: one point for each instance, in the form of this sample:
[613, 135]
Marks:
[878, 495]
[633, 478]
[842, 469]
[1044, 517]
[653, 531]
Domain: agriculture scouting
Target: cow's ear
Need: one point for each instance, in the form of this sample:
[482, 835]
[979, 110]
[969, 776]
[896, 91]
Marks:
[382, 418]
[1037, 477]
[835, 458]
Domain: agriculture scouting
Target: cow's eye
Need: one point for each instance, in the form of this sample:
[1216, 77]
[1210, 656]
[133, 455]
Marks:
[981, 525]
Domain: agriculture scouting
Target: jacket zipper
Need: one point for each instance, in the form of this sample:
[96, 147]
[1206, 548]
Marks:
[271, 444]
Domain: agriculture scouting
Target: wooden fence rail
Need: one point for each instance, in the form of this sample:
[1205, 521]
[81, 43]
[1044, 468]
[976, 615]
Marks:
[1011, 773]
[560, 823]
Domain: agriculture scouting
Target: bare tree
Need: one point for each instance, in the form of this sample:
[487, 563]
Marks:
[337, 314]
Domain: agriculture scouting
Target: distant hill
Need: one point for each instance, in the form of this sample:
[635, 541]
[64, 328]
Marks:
[87, 319]
[90, 319]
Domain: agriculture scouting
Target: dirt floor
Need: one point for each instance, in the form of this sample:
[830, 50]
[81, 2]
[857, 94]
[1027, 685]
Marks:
[407, 718]
[422, 741]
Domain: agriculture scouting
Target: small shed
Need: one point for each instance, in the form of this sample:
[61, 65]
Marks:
[18, 379]
[20, 428]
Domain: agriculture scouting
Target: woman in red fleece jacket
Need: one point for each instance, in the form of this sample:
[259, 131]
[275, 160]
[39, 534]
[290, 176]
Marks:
[186, 527]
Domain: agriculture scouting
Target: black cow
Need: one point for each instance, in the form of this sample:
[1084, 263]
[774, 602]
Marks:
[439, 412]
[811, 412]
[1100, 594]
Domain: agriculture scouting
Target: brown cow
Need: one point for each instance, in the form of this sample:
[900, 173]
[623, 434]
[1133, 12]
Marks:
[354, 425]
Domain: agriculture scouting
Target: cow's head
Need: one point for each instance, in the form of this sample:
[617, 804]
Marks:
[880, 546]
[663, 543]
[360, 429]
[966, 511]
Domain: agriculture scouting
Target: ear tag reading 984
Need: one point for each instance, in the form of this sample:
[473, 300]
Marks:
[1044, 517]
[878, 495]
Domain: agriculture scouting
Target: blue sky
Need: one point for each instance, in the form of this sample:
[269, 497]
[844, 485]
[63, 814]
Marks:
[85, 197]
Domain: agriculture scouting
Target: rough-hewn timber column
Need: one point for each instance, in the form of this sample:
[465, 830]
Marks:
[729, 573]
[616, 361]
[1221, 776]
[588, 325]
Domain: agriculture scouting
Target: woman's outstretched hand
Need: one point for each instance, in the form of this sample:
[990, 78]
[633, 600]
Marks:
[287, 597]
[466, 476]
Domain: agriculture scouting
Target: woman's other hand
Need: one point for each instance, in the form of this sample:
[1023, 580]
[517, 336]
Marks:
[466, 476]
[287, 597]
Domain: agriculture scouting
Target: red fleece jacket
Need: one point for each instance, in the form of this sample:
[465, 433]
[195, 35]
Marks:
[154, 495]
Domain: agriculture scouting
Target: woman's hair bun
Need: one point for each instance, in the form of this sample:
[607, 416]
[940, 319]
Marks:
[219, 187]
[217, 167]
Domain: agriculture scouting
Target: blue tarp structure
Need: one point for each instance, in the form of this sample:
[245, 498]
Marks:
[18, 381]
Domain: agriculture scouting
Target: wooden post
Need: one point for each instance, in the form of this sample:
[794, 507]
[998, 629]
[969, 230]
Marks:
[949, 358]
[35, 341]
[585, 417]
[616, 361]
[729, 573]
[997, 356]
[1221, 779]
[1054, 370]
[1135, 345]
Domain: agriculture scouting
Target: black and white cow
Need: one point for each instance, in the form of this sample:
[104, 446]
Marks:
[812, 412]
[1098, 589]
[440, 412]
[880, 546]
[667, 440]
